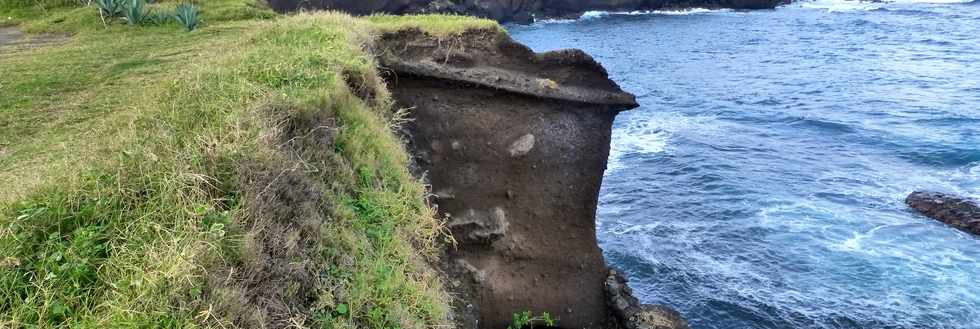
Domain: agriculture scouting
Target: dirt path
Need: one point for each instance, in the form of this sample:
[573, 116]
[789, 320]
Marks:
[12, 39]
[9, 35]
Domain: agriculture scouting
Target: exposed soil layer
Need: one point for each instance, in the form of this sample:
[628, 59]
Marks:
[520, 11]
[514, 145]
[961, 213]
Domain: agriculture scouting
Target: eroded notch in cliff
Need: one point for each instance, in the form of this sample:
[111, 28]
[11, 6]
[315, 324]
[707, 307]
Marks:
[514, 145]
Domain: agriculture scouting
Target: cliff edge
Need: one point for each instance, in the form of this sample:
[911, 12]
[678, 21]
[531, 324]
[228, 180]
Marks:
[514, 145]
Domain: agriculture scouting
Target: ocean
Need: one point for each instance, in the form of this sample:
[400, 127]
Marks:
[761, 182]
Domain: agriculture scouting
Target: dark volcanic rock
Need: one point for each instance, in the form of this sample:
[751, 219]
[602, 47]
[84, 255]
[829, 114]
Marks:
[960, 213]
[514, 145]
[630, 314]
[520, 11]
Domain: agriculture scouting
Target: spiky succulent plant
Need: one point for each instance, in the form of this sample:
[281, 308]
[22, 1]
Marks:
[187, 15]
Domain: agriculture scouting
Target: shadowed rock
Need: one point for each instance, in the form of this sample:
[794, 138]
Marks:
[961, 213]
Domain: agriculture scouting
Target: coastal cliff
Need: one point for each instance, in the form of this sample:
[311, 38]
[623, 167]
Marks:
[514, 145]
[256, 178]
[519, 11]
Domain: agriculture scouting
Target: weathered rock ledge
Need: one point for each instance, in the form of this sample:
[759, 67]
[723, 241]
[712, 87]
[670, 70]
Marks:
[961, 213]
[520, 11]
[514, 145]
[631, 314]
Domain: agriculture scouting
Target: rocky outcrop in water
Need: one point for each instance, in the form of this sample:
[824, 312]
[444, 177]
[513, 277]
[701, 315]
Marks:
[520, 11]
[961, 213]
[514, 145]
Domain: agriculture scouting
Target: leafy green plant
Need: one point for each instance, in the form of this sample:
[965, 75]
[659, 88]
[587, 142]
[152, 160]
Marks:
[110, 8]
[187, 15]
[527, 320]
[134, 12]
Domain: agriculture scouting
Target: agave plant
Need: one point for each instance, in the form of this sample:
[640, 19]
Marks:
[156, 17]
[110, 8]
[134, 12]
[186, 14]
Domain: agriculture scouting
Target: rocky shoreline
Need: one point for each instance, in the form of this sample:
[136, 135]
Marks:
[516, 11]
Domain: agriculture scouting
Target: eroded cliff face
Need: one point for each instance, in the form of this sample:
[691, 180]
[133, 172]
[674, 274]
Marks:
[521, 11]
[514, 145]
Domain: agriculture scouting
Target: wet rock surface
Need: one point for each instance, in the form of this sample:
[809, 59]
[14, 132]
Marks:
[629, 313]
[514, 145]
[519, 11]
[958, 212]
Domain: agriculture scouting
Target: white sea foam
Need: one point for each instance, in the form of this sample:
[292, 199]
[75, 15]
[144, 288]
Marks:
[645, 137]
[594, 14]
[682, 12]
[929, 1]
[857, 5]
[554, 21]
[650, 133]
[840, 5]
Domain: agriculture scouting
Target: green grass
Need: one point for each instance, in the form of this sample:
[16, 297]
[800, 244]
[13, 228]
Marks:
[146, 169]
[66, 16]
[441, 26]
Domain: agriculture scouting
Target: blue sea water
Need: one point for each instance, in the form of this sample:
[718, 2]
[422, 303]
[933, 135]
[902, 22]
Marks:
[761, 182]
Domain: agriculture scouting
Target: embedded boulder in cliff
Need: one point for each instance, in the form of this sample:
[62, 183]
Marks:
[514, 144]
[961, 213]
[520, 11]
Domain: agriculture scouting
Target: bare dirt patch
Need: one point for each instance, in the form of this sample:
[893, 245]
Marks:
[12, 39]
[285, 213]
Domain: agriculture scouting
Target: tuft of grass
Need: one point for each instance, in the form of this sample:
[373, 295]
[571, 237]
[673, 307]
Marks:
[438, 25]
[142, 179]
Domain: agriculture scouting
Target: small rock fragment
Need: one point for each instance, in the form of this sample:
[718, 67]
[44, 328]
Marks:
[521, 146]
[445, 194]
[478, 276]
[476, 226]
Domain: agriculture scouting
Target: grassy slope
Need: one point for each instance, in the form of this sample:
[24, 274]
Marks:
[157, 178]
